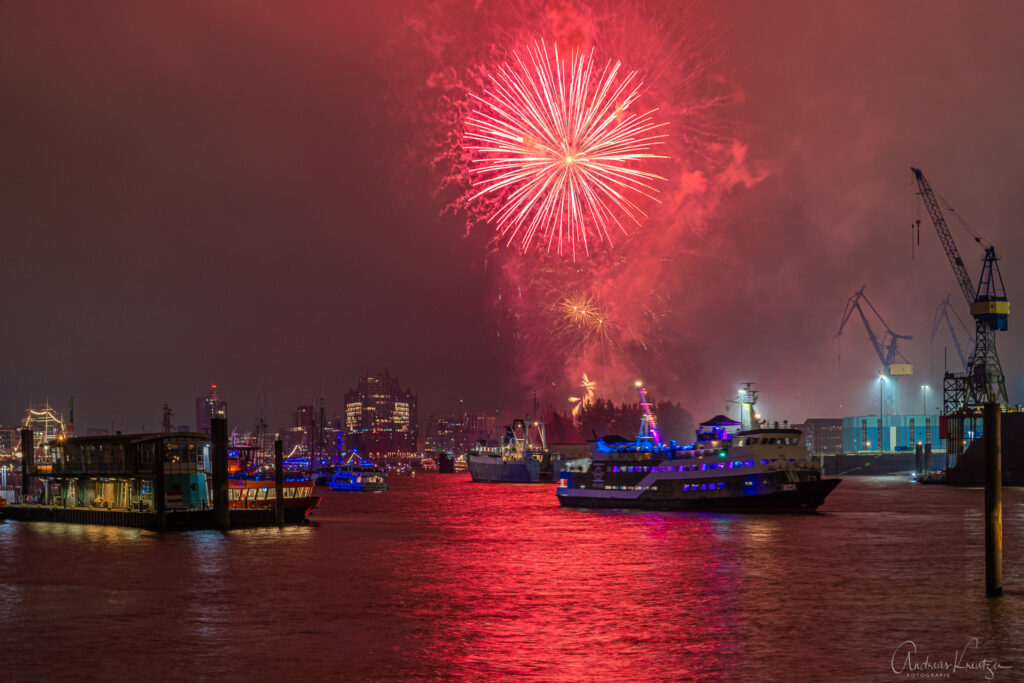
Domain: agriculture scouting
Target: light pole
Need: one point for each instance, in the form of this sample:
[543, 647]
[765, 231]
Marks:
[881, 382]
[924, 391]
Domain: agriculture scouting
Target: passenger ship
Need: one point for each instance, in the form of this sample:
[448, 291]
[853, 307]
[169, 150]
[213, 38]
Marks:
[733, 467]
[250, 487]
[357, 474]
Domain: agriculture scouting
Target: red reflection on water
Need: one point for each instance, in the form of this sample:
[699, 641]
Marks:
[535, 590]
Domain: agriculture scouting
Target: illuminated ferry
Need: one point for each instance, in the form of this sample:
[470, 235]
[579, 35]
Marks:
[357, 474]
[733, 467]
[252, 487]
[515, 459]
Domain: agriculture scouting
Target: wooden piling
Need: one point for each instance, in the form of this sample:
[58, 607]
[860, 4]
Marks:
[28, 462]
[159, 489]
[993, 500]
[279, 482]
[219, 462]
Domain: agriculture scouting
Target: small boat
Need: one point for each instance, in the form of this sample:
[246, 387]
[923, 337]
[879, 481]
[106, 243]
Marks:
[357, 474]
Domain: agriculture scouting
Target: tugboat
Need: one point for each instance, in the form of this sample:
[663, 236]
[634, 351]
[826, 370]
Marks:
[515, 459]
[733, 467]
[358, 474]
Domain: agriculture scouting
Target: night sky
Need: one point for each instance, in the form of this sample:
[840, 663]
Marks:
[239, 193]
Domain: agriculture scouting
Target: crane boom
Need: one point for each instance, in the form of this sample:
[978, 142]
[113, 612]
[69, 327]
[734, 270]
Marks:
[939, 221]
[886, 348]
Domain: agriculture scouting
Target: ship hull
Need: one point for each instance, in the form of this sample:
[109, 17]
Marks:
[484, 468]
[807, 496]
[487, 469]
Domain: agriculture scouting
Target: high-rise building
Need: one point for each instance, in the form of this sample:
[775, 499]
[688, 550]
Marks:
[209, 406]
[381, 417]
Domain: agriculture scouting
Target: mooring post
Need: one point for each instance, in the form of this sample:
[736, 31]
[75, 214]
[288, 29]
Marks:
[219, 460]
[28, 462]
[993, 500]
[159, 488]
[279, 482]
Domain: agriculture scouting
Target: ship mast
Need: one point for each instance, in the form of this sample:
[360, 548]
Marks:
[648, 423]
[746, 398]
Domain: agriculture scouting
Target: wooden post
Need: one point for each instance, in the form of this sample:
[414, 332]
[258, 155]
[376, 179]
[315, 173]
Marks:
[28, 462]
[279, 482]
[993, 500]
[219, 461]
[159, 486]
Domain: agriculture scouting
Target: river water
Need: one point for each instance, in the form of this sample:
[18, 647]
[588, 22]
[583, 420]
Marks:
[441, 578]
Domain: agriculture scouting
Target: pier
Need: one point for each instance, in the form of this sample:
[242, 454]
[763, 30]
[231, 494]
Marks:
[160, 482]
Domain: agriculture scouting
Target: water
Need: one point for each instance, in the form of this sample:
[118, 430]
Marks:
[443, 578]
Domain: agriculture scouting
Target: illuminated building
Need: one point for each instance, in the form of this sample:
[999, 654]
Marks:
[381, 417]
[892, 433]
[208, 406]
[299, 440]
[458, 435]
[8, 440]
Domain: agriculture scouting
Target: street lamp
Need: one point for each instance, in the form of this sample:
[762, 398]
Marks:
[924, 389]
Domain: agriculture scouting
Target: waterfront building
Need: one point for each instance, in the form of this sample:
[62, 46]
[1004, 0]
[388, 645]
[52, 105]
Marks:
[381, 417]
[209, 406]
[823, 435]
[458, 435]
[892, 433]
[128, 471]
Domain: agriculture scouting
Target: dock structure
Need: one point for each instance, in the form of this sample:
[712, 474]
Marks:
[157, 481]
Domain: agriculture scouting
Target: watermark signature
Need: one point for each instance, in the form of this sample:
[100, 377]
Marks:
[907, 662]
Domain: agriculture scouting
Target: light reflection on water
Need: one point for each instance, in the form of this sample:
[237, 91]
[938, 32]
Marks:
[443, 578]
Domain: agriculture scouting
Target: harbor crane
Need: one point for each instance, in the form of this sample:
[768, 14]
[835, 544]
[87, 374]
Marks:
[983, 382]
[942, 313]
[964, 394]
[894, 363]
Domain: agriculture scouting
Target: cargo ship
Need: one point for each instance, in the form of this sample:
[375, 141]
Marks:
[516, 459]
[747, 466]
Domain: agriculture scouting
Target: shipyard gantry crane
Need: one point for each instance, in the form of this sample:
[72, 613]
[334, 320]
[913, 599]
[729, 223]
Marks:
[894, 363]
[983, 382]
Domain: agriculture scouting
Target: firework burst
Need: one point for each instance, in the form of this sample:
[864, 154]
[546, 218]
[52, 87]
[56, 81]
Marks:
[580, 321]
[554, 147]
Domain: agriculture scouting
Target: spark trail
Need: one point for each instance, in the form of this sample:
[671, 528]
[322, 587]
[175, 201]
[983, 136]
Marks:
[553, 144]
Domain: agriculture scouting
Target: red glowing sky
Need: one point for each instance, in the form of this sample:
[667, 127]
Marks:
[242, 194]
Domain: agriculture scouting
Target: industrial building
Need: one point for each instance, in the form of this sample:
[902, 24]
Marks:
[891, 433]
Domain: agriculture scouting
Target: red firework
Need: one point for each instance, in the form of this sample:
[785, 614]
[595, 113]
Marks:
[553, 142]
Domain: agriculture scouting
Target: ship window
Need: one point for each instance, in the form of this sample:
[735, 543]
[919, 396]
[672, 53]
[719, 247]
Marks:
[764, 461]
[721, 485]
